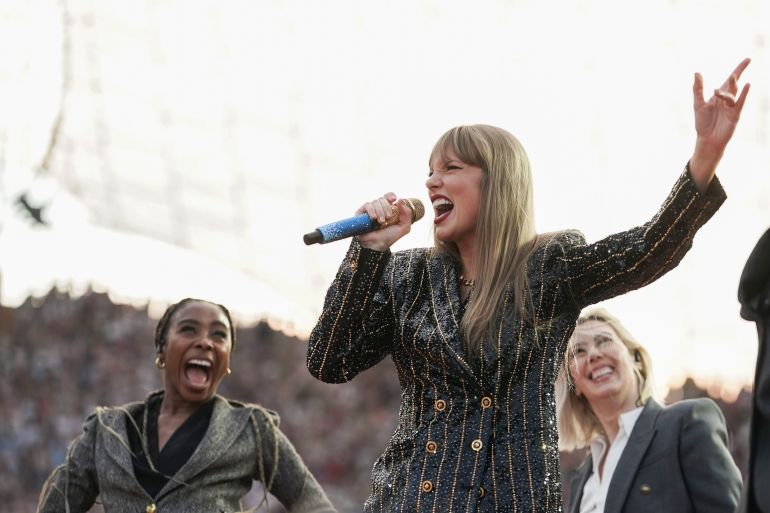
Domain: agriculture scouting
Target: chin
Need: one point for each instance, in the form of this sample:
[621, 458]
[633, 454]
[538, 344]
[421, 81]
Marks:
[443, 235]
[198, 396]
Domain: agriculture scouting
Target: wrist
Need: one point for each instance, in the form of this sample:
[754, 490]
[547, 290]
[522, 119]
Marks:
[706, 155]
[373, 245]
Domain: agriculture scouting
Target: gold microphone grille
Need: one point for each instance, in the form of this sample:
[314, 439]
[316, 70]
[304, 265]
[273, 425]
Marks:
[416, 206]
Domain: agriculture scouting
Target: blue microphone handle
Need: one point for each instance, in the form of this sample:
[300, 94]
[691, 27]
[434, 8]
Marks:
[337, 230]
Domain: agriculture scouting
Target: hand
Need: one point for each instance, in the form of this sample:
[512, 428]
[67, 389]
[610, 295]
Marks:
[715, 122]
[380, 210]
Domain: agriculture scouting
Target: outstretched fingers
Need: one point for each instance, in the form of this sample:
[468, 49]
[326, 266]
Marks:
[697, 91]
[742, 66]
[731, 83]
[742, 97]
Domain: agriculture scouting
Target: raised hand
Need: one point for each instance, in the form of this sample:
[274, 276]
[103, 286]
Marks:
[715, 122]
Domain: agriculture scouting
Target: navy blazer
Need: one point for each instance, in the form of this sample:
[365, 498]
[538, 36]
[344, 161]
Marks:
[481, 435]
[676, 460]
[754, 295]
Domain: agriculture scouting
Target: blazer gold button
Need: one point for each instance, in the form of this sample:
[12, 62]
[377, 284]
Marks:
[431, 447]
[481, 492]
[151, 509]
[476, 445]
[440, 405]
[645, 489]
[427, 486]
[486, 402]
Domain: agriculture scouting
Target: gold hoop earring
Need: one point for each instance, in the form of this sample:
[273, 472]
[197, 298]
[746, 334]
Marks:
[161, 364]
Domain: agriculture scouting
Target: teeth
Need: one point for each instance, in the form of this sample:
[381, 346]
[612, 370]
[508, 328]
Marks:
[441, 201]
[202, 363]
[600, 372]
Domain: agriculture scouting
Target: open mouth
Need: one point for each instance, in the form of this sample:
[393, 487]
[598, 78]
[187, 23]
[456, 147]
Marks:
[599, 373]
[198, 372]
[442, 207]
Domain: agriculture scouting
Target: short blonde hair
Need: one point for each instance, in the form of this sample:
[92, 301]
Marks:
[576, 421]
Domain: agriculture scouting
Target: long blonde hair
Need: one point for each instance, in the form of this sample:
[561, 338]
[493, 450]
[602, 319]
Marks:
[505, 231]
[576, 421]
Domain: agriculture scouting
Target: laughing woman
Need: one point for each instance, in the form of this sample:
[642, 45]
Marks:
[643, 457]
[184, 448]
[477, 325]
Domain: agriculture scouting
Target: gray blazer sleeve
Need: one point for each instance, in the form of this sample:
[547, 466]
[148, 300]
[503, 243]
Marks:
[74, 482]
[712, 479]
[283, 472]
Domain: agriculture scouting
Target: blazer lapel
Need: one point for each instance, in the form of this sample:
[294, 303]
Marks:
[578, 482]
[445, 305]
[225, 426]
[638, 442]
[116, 444]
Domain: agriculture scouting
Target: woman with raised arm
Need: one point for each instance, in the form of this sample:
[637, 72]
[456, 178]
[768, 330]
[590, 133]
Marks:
[477, 325]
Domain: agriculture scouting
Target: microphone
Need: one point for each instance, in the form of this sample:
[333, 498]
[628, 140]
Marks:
[360, 224]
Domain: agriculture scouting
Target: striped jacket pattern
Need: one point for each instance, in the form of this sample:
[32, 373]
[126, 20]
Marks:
[480, 435]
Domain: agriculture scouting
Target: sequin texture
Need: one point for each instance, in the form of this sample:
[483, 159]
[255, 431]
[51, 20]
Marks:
[491, 422]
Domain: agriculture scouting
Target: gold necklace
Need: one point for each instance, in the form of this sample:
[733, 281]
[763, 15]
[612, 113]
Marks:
[466, 282]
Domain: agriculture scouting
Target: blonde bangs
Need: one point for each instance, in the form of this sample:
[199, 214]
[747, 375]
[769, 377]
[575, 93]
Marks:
[459, 141]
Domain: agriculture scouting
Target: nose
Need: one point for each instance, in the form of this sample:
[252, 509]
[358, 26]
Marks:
[204, 342]
[432, 182]
[593, 352]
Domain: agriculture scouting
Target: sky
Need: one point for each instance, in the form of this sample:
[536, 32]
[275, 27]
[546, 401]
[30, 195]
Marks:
[197, 141]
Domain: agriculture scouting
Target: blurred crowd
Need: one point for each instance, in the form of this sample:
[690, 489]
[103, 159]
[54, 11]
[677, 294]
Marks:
[61, 356]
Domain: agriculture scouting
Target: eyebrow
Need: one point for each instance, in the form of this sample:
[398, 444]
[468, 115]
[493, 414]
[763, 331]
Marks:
[594, 337]
[195, 321]
[445, 163]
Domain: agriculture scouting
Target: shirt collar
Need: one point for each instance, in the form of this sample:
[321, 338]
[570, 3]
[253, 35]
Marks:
[628, 419]
[600, 443]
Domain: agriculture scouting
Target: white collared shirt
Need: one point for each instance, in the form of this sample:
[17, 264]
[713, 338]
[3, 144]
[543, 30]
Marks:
[595, 489]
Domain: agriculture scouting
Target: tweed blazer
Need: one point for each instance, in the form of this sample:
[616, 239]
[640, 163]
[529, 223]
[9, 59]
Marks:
[754, 295]
[676, 460]
[481, 435]
[242, 443]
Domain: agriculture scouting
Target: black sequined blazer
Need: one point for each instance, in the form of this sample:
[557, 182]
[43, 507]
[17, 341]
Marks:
[482, 437]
